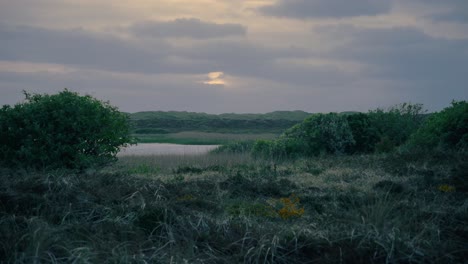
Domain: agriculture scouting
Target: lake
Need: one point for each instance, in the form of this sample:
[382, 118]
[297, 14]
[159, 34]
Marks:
[165, 149]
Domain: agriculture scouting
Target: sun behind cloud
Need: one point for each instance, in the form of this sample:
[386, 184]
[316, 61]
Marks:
[215, 78]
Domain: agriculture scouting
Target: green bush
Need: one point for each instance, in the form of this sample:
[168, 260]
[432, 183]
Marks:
[377, 131]
[384, 145]
[318, 134]
[396, 125]
[262, 148]
[445, 131]
[365, 135]
[321, 133]
[287, 147]
[63, 130]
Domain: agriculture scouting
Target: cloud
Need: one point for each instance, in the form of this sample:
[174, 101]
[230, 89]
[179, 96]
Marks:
[183, 92]
[130, 92]
[419, 66]
[303, 9]
[404, 52]
[168, 64]
[452, 11]
[78, 47]
[186, 27]
[86, 49]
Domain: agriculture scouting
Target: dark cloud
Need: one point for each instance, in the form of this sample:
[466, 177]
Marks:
[361, 68]
[247, 59]
[186, 27]
[129, 93]
[450, 10]
[78, 47]
[85, 49]
[406, 53]
[457, 14]
[160, 92]
[420, 66]
[326, 8]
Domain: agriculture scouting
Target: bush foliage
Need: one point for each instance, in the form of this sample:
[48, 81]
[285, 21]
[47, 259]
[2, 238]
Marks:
[396, 125]
[376, 131]
[322, 133]
[317, 134]
[445, 131]
[404, 127]
[61, 130]
[365, 134]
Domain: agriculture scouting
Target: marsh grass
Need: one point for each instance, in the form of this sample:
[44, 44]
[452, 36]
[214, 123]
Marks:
[201, 138]
[223, 208]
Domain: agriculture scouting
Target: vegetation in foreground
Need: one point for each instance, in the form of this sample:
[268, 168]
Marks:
[230, 208]
[64, 130]
[386, 186]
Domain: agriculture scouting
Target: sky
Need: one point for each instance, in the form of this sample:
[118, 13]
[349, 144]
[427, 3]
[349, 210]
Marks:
[243, 56]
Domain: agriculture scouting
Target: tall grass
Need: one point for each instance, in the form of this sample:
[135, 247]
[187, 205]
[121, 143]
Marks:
[224, 208]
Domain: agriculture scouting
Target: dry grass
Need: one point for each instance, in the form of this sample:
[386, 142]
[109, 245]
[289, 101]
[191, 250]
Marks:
[225, 209]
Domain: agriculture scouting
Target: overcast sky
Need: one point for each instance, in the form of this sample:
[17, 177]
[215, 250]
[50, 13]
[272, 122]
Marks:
[219, 56]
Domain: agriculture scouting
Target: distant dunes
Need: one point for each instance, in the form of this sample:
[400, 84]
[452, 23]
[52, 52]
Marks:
[160, 122]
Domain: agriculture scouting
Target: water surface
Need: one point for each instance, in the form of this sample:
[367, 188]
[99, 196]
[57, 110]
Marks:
[165, 149]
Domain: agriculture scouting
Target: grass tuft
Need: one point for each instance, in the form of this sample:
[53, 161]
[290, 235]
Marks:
[229, 208]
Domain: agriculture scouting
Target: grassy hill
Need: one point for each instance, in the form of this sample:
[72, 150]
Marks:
[276, 115]
[201, 128]
[172, 126]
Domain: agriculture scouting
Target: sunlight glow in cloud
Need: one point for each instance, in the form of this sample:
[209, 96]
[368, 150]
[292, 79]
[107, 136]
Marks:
[215, 78]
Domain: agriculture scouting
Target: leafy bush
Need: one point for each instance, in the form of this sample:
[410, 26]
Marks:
[61, 130]
[262, 148]
[446, 130]
[396, 125]
[365, 135]
[379, 130]
[321, 133]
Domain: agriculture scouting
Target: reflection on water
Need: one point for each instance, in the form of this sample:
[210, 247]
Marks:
[165, 149]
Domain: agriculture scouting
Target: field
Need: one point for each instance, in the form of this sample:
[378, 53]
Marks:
[201, 138]
[231, 208]
[202, 128]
